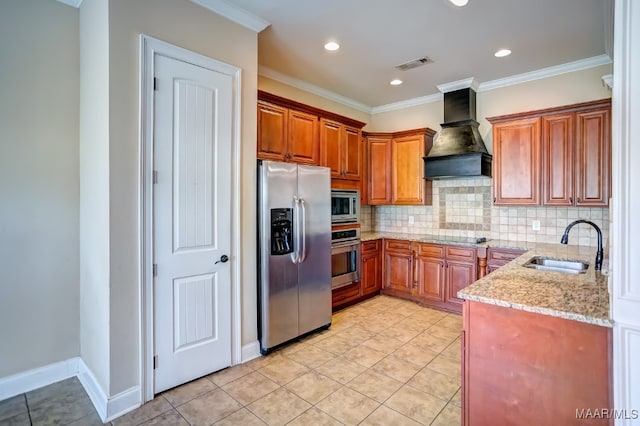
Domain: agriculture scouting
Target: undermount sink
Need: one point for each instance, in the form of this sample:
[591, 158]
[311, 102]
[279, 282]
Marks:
[557, 265]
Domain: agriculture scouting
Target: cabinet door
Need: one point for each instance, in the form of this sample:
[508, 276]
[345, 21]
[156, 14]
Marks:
[398, 271]
[593, 153]
[352, 153]
[303, 140]
[330, 135]
[431, 279]
[272, 132]
[516, 162]
[371, 272]
[458, 275]
[407, 177]
[558, 159]
[379, 170]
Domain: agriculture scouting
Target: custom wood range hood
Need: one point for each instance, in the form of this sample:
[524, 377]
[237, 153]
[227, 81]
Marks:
[458, 150]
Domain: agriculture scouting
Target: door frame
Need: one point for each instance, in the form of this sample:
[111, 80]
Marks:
[149, 48]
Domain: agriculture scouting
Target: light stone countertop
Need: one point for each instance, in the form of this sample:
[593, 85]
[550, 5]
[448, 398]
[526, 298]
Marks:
[580, 297]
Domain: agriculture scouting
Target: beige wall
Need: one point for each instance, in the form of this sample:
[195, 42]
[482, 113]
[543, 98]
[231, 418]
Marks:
[94, 188]
[189, 26]
[38, 184]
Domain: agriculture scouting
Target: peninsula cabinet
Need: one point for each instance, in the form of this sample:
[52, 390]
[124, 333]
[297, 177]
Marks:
[341, 149]
[524, 368]
[554, 157]
[396, 167]
[287, 135]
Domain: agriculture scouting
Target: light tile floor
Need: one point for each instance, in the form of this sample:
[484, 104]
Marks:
[384, 361]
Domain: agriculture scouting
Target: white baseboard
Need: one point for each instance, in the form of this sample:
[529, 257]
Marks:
[108, 408]
[37, 378]
[250, 351]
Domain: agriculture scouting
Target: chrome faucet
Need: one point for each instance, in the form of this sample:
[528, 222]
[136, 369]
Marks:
[565, 239]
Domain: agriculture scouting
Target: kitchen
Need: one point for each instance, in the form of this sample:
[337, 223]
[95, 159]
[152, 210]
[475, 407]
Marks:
[559, 90]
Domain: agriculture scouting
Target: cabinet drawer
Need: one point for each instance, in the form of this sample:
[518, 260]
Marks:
[502, 255]
[368, 246]
[461, 253]
[397, 245]
[345, 294]
[431, 250]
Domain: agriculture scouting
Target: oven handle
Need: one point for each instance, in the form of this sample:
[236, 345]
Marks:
[303, 249]
[344, 247]
[295, 256]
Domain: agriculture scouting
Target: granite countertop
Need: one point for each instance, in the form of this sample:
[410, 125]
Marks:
[421, 238]
[580, 297]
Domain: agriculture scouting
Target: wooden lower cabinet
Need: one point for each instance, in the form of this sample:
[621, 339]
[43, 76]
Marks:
[523, 368]
[431, 274]
[370, 277]
[371, 272]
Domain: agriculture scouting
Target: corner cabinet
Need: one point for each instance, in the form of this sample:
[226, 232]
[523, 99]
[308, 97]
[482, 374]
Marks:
[554, 157]
[396, 167]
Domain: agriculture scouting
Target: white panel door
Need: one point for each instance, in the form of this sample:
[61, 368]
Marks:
[192, 204]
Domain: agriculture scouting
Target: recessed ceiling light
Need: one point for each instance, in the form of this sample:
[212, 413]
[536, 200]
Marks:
[502, 53]
[459, 3]
[331, 46]
[395, 82]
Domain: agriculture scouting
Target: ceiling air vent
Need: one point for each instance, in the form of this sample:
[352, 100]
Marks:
[414, 64]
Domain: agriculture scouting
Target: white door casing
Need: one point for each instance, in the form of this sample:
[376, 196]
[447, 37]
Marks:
[189, 217]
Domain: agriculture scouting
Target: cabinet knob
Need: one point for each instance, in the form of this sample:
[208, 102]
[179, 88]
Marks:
[578, 199]
[571, 200]
[494, 200]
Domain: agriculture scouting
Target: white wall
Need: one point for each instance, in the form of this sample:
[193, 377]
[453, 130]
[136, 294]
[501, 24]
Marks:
[625, 282]
[39, 290]
[187, 25]
[94, 189]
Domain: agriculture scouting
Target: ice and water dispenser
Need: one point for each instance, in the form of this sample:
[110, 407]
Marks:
[281, 231]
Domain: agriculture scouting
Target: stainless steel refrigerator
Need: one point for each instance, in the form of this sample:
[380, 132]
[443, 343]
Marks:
[294, 244]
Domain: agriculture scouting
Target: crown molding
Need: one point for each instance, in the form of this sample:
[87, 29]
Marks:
[307, 87]
[407, 103]
[470, 82]
[579, 65]
[234, 13]
[72, 3]
[608, 80]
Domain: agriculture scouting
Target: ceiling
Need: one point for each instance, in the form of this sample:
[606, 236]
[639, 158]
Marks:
[377, 35]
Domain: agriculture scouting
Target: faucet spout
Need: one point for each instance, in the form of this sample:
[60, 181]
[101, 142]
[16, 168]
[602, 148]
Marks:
[599, 254]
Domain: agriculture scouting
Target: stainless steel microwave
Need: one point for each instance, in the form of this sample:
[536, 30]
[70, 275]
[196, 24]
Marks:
[345, 206]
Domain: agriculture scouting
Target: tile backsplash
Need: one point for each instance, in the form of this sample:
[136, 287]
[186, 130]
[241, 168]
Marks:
[463, 208]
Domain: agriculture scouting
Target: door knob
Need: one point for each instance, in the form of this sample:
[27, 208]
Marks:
[224, 258]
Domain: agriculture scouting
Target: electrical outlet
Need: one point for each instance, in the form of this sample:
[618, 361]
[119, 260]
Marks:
[535, 225]
[411, 220]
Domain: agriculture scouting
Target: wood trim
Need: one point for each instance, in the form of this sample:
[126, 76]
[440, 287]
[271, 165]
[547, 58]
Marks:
[550, 111]
[288, 103]
[402, 133]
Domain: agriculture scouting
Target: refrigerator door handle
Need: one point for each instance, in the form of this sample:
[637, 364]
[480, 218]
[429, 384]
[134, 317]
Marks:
[303, 248]
[295, 254]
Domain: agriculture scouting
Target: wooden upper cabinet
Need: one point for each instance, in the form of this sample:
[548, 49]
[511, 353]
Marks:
[407, 179]
[292, 131]
[341, 149]
[303, 143]
[379, 176]
[554, 157]
[557, 159]
[516, 162]
[593, 157]
[287, 135]
[272, 132]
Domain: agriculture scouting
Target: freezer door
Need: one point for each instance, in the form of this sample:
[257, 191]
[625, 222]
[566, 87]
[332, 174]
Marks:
[314, 274]
[278, 280]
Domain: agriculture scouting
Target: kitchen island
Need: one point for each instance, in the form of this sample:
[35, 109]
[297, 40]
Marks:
[537, 344]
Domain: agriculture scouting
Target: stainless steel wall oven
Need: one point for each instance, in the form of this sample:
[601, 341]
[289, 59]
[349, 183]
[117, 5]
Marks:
[345, 257]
